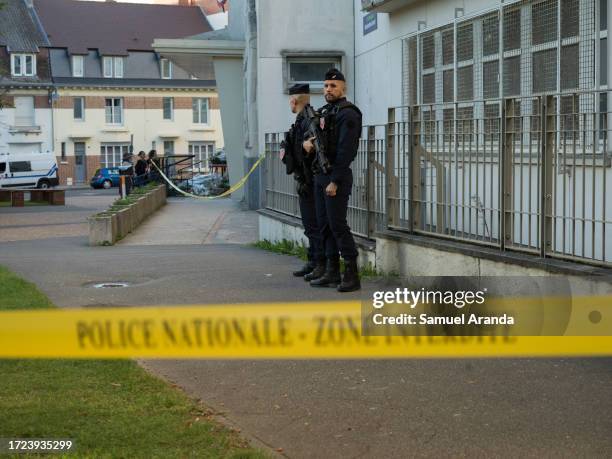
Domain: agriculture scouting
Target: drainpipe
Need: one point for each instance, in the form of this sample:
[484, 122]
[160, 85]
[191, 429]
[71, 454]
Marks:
[52, 96]
[609, 81]
[253, 189]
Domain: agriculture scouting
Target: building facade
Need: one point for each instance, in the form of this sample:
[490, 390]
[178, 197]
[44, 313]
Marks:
[504, 109]
[91, 97]
[25, 81]
[486, 123]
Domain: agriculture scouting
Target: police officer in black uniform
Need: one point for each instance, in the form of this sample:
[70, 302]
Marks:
[299, 164]
[341, 126]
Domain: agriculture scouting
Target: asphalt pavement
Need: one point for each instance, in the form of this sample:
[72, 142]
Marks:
[198, 252]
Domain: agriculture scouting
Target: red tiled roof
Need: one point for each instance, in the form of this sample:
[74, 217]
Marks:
[114, 28]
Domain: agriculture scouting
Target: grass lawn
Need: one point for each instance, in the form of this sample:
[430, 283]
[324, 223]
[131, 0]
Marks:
[109, 408]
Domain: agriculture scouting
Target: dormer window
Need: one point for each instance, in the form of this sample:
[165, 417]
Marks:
[23, 64]
[166, 69]
[112, 67]
[77, 66]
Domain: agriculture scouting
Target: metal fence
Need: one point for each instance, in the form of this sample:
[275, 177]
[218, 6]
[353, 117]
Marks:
[527, 174]
[366, 212]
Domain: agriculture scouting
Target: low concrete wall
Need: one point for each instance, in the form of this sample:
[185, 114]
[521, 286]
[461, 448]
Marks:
[103, 229]
[397, 254]
[106, 228]
[276, 227]
[406, 259]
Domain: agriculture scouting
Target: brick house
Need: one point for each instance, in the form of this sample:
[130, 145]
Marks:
[112, 92]
[25, 81]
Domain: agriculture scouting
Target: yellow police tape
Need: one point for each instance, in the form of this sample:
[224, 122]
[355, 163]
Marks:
[257, 331]
[239, 184]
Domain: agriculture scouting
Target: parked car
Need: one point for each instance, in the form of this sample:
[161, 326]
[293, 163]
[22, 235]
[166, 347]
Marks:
[203, 184]
[28, 170]
[106, 177]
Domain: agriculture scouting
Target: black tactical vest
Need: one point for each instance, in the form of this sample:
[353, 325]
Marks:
[329, 115]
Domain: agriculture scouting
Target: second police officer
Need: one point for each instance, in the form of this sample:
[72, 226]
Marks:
[341, 123]
[300, 165]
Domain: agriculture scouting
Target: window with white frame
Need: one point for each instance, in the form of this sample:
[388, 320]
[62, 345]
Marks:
[23, 64]
[309, 69]
[168, 108]
[112, 66]
[77, 66]
[24, 111]
[114, 110]
[112, 154]
[200, 110]
[107, 67]
[168, 147]
[118, 63]
[166, 69]
[202, 152]
[78, 108]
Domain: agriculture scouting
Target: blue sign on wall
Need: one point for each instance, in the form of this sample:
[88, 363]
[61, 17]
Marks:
[370, 23]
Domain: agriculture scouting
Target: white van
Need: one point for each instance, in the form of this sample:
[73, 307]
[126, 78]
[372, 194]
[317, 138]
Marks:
[28, 170]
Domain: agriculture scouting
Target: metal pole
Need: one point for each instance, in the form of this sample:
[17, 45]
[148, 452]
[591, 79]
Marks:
[546, 208]
[392, 195]
[506, 159]
[371, 181]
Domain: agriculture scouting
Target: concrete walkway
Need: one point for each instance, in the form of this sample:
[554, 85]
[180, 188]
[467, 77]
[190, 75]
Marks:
[192, 252]
[192, 221]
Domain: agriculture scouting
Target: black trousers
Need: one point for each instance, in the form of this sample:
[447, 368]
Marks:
[331, 215]
[311, 225]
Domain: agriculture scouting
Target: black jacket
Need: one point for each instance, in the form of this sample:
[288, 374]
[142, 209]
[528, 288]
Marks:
[141, 167]
[345, 135]
[298, 163]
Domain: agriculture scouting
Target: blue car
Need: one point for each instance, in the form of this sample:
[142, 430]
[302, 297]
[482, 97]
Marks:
[105, 178]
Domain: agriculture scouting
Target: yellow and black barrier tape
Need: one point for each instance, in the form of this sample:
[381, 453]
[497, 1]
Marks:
[239, 184]
[262, 331]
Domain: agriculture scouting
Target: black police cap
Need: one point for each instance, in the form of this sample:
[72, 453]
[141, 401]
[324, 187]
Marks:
[299, 89]
[334, 74]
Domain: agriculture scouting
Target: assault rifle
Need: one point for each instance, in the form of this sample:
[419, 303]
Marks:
[314, 130]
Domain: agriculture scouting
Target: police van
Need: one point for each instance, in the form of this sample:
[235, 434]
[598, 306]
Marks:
[28, 170]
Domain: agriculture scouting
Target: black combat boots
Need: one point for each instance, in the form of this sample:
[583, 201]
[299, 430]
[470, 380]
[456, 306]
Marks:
[306, 269]
[331, 277]
[350, 280]
[317, 272]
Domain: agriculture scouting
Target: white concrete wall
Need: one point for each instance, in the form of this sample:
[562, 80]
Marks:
[392, 257]
[316, 25]
[378, 55]
[229, 78]
[3, 131]
[42, 118]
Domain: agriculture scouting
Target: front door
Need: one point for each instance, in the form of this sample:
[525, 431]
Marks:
[80, 162]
